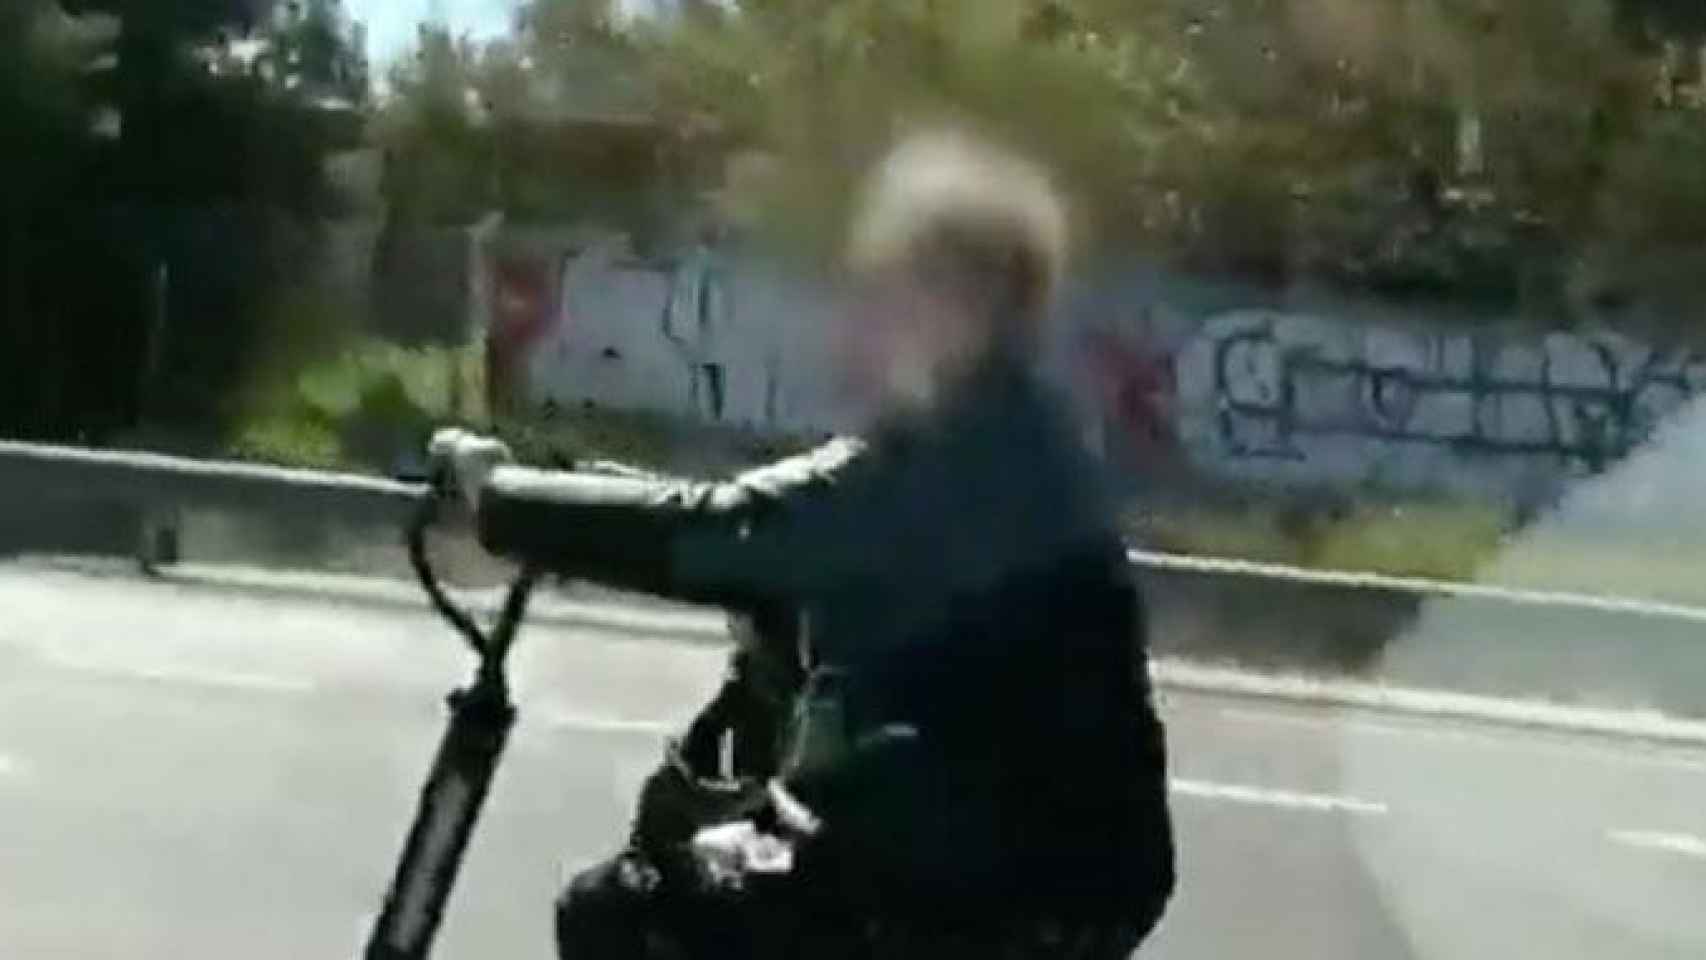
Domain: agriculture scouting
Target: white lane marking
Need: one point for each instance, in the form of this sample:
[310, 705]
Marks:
[1680, 844]
[1313, 802]
[222, 679]
[611, 725]
[1363, 725]
[1489, 740]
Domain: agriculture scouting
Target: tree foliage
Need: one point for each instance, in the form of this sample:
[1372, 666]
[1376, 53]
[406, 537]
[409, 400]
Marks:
[557, 122]
[1445, 147]
[1453, 145]
[173, 183]
[435, 134]
[823, 88]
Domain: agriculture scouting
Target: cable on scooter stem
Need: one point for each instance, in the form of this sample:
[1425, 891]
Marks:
[481, 716]
[515, 605]
[426, 514]
[496, 646]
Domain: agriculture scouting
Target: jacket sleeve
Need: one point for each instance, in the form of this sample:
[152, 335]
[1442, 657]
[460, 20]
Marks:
[781, 531]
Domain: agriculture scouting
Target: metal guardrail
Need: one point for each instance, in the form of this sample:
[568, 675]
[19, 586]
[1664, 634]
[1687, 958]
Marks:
[157, 481]
[1415, 586]
[164, 484]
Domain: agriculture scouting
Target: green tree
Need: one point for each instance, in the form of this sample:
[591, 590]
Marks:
[821, 89]
[174, 184]
[580, 132]
[435, 134]
[313, 50]
[1448, 147]
[44, 104]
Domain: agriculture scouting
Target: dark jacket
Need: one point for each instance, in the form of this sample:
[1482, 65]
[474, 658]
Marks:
[977, 665]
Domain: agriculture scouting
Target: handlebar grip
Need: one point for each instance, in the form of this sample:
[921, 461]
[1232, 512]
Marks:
[599, 527]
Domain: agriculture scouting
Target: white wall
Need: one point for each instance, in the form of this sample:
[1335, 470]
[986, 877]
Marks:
[1308, 398]
[703, 335]
[1240, 383]
[605, 346]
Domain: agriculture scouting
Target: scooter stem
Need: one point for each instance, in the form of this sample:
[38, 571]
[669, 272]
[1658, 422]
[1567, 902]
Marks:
[481, 716]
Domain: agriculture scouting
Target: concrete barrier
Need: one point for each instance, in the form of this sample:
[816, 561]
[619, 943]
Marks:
[1272, 623]
[1608, 653]
[1604, 652]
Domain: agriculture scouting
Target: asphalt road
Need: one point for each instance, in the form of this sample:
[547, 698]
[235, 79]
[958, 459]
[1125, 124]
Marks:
[191, 773]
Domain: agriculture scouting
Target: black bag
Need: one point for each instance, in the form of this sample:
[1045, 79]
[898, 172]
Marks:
[699, 783]
[678, 801]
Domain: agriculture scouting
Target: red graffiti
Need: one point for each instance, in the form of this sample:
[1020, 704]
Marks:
[524, 304]
[1135, 387]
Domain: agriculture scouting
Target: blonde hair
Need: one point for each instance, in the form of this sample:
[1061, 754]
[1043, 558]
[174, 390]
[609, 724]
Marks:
[983, 218]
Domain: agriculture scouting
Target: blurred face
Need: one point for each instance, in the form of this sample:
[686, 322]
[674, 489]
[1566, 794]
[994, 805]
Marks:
[901, 338]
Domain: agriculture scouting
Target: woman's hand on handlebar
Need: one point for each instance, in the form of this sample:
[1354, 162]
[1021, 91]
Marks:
[466, 460]
[463, 461]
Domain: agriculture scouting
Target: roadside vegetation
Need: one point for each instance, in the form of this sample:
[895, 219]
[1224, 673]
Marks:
[172, 265]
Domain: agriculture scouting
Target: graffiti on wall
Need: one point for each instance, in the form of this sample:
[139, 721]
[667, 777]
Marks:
[695, 318]
[1258, 393]
[1133, 385]
[524, 305]
[1278, 384]
[581, 324]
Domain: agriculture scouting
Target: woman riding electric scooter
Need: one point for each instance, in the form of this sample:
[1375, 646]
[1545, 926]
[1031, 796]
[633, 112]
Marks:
[956, 753]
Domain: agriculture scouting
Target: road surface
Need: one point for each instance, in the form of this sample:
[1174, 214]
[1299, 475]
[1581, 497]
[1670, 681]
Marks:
[192, 772]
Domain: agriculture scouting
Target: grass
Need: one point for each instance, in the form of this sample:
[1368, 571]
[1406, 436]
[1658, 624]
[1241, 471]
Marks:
[1442, 541]
[373, 401]
[287, 440]
[1439, 541]
[1433, 540]
[638, 439]
[347, 410]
